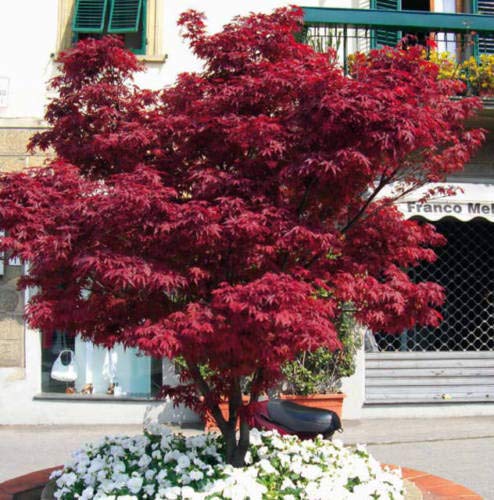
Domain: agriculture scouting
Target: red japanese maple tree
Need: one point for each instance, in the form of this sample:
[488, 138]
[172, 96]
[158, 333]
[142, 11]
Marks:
[227, 220]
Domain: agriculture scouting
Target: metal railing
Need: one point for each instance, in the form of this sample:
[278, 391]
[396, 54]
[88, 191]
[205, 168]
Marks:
[358, 30]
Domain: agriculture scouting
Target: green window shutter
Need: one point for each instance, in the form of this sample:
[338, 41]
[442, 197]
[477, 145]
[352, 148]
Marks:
[125, 16]
[386, 4]
[89, 16]
[385, 37]
[485, 42]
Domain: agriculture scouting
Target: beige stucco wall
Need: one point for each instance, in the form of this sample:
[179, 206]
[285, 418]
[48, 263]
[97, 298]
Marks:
[14, 137]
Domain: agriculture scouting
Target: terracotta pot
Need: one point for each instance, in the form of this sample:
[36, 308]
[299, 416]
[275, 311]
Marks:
[210, 423]
[332, 402]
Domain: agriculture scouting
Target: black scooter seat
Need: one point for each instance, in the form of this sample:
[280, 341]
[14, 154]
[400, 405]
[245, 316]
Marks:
[299, 418]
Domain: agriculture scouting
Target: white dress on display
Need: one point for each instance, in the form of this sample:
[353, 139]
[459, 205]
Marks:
[101, 367]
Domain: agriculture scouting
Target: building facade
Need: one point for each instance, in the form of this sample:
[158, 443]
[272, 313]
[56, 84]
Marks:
[450, 371]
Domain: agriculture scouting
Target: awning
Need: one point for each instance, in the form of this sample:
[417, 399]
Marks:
[472, 200]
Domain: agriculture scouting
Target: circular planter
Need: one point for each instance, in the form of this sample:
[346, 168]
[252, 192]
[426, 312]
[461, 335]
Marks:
[27, 487]
[436, 488]
[30, 486]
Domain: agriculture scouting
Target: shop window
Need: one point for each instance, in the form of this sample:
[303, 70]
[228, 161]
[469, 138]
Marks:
[86, 369]
[138, 22]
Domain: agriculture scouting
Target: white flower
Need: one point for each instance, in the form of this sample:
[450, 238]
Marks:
[255, 437]
[197, 441]
[209, 471]
[118, 466]
[183, 461]
[266, 466]
[171, 493]
[172, 455]
[196, 475]
[263, 451]
[87, 493]
[101, 475]
[107, 486]
[144, 461]
[320, 469]
[61, 492]
[67, 479]
[149, 489]
[56, 473]
[149, 474]
[314, 491]
[89, 479]
[278, 442]
[287, 483]
[117, 451]
[311, 472]
[199, 463]
[134, 484]
[248, 458]
[188, 492]
[296, 466]
[157, 429]
[119, 480]
[96, 464]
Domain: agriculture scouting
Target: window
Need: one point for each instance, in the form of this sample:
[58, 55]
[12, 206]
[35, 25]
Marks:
[484, 44]
[383, 37]
[97, 371]
[139, 22]
[125, 18]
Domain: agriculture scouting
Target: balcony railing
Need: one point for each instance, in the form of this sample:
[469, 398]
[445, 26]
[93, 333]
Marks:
[463, 36]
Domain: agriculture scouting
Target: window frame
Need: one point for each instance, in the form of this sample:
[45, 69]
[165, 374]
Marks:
[106, 29]
[153, 12]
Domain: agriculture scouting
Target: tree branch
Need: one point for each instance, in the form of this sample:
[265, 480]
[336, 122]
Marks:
[235, 402]
[305, 196]
[206, 392]
[254, 393]
[382, 182]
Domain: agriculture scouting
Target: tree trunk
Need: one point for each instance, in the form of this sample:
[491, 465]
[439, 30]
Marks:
[236, 450]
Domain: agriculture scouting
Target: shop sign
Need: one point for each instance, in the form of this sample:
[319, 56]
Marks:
[464, 211]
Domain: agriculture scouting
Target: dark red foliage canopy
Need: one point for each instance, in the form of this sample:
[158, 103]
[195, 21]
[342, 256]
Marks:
[228, 218]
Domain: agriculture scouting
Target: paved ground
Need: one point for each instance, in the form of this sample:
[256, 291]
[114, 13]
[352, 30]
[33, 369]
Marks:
[459, 449]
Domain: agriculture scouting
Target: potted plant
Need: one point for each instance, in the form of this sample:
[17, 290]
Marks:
[314, 378]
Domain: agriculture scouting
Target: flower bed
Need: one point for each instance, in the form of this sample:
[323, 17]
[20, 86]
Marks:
[165, 465]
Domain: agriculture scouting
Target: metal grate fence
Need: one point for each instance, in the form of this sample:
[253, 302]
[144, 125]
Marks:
[465, 268]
